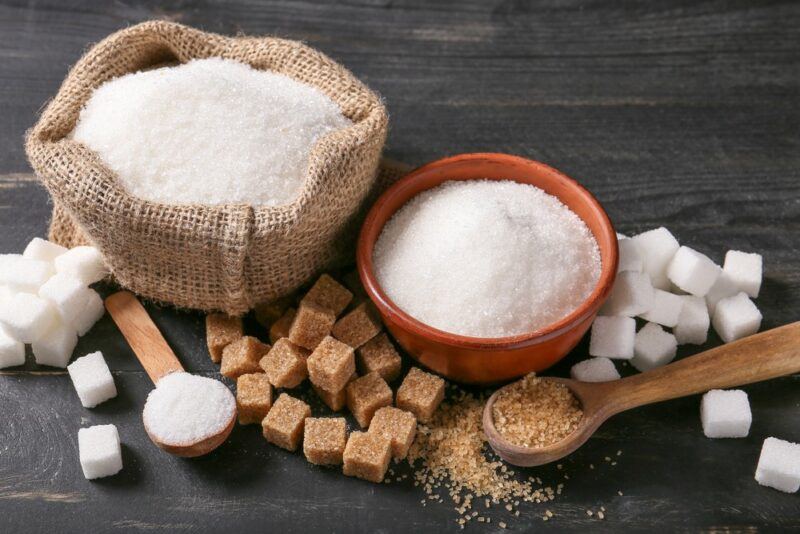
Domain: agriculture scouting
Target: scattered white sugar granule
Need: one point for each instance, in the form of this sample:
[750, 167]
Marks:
[184, 409]
[210, 131]
[486, 258]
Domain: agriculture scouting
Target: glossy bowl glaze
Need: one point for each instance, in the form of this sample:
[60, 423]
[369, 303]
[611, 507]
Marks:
[488, 360]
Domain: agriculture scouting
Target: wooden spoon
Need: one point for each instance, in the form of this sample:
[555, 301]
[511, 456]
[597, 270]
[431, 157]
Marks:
[158, 360]
[760, 357]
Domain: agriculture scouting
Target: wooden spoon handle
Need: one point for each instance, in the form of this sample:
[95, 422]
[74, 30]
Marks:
[143, 336]
[759, 357]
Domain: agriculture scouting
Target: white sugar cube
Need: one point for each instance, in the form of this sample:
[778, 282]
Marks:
[631, 295]
[12, 352]
[666, 308]
[88, 314]
[100, 451]
[724, 287]
[779, 465]
[6, 293]
[725, 414]
[92, 379]
[41, 249]
[55, 346]
[24, 275]
[693, 321]
[84, 263]
[66, 293]
[629, 259]
[612, 337]
[656, 248]
[620, 236]
[653, 347]
[692, 271]
[744, 270]
[736, 317]
[594, 370]
[27, 317]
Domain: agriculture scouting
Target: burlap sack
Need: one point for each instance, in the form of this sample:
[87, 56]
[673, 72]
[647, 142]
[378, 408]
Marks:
[226, 258]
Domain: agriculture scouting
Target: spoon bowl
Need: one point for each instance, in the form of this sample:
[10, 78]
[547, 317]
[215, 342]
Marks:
[759, 357]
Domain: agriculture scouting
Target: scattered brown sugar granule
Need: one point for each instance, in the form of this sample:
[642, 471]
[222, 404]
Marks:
[398, 425]
[367, 456]
[242, 357]
[283, 425]
[335, 400]
[420, 393]
[358, 326]
[221, 331]
[365, 395]
[253, 398]
[379, 355]
[285, 364]
[330, 294]
[324, 439]
[331, 364]
[310, 326]
[268, 313]
[536, 412]
[280, 328]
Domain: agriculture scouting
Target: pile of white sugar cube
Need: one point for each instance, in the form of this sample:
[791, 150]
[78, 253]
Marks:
[46, 301]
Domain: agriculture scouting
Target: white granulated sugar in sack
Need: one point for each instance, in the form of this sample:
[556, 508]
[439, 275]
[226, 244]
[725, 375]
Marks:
[725, 414]
[41, 249]
[92, 379]
[693, 321]
[185, 409]
[84, 263]
[744, 270]
[66, 293]
[779, 465]
[26, 317]
[693, 271]
[612, 337]
[85, 317]
[486, 258]
[12, 352]
[22, 274]
[656, 247]
[210, 131]
[55, 346]
[666, 308]
[631, 295]
[724, 287]
[653, 347]
[100, 451]
[736, 317]
[594, 370]
[629, 259]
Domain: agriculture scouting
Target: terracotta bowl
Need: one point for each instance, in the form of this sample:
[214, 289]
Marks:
[488, 360]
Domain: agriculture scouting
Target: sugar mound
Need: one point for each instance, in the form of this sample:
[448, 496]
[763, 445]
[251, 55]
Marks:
[486, 258]
[210, 131]
[184, 409]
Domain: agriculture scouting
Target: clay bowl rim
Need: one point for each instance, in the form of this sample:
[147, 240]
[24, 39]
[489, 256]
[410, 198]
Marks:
[379, 214]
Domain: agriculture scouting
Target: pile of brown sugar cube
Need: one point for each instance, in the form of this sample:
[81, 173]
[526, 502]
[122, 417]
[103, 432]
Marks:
[342, 350]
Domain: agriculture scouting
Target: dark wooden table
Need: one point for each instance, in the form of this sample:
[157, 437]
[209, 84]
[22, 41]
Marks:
[683, 114]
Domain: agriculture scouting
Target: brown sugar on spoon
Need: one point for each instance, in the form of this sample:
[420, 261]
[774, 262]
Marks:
[536, 413]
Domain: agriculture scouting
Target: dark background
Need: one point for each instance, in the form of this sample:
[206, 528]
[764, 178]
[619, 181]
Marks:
[683, 113]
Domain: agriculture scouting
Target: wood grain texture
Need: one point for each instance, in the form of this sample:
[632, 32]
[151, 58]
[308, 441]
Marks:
[675, 113]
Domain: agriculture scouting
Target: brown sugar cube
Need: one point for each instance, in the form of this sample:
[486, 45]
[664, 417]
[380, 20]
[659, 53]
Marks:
[420, 393]
[253, 398]
[310, 326]
[269, 312]
[365, 395]
[283, 425]
[379, 355]
[334, 400]
[242, 356]
[331, 364]
[285, 364]
[280, 328]
[221, 331]
[324, 440]
[358, 326]
[367, 456]
[328, 293]
[399, 426]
